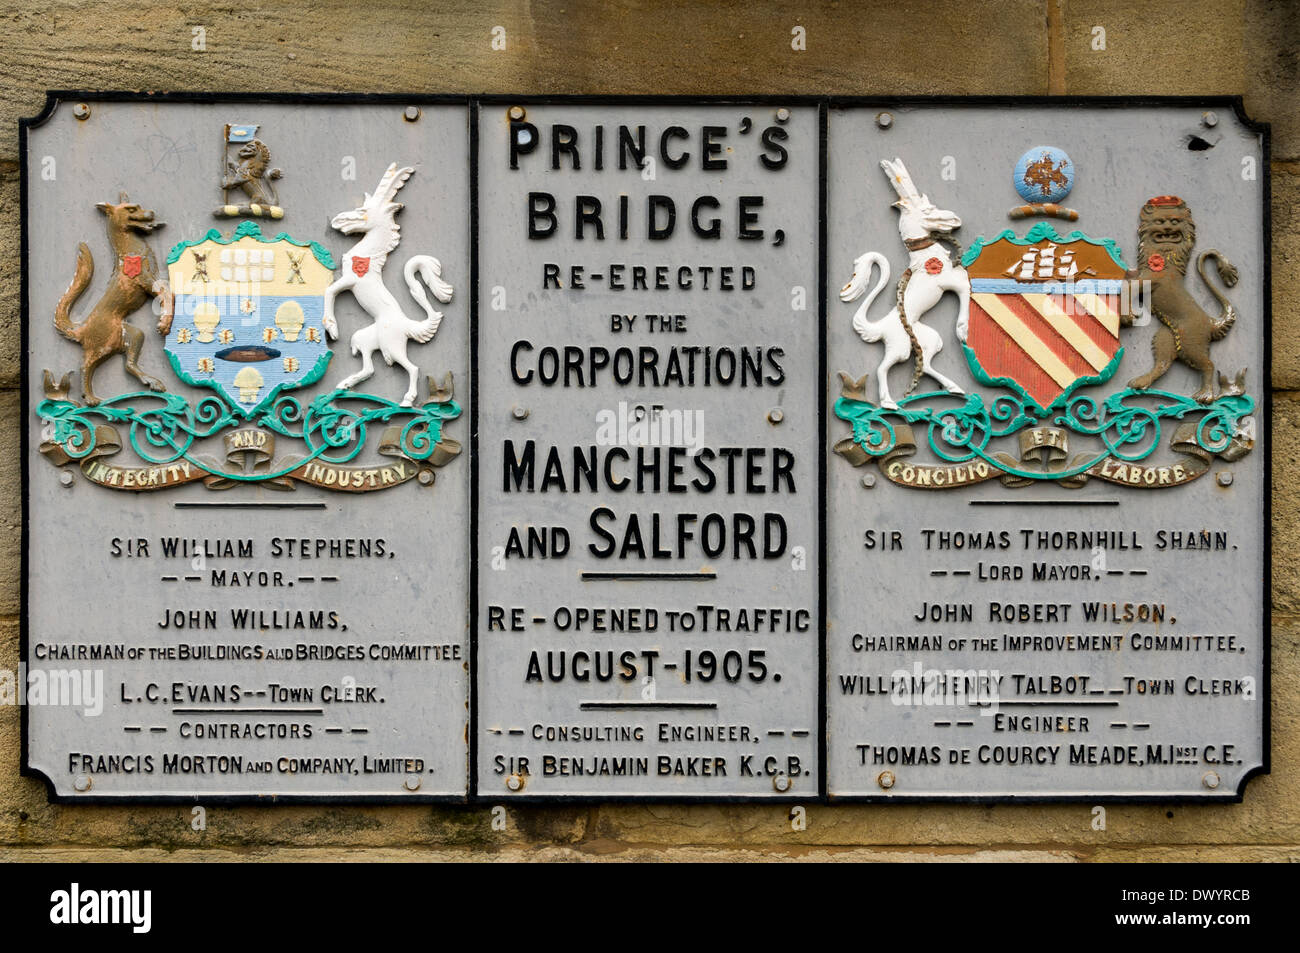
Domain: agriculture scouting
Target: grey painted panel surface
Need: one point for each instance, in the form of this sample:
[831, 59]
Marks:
[414, 596]
[1018, 742]
[720, 713]
[712, 721]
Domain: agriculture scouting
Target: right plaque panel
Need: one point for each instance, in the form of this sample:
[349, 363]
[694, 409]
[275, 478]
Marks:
[1046, 570]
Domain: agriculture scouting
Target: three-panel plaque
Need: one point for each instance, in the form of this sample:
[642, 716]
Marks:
[546, 449]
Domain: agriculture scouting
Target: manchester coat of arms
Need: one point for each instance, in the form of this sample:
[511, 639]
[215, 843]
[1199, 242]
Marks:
[1040, 324]
[1045, 312]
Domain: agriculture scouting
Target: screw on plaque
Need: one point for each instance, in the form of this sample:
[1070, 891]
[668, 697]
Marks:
[783, 115]
[519, 413]
[516, 113]
[1210, 780]
[1225, 478]
[886, 779]
[81, 110]
[412, 782]
[411, 113]
[775, 415]
[66, 477]
[868, 480]
[82, 783]
[515, 782]
[1210, 119]
[781, 781]
[884, 120]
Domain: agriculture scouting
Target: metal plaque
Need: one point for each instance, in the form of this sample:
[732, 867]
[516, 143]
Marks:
[247, 504]
[822, 449]
[1047, 499]
[647, 620]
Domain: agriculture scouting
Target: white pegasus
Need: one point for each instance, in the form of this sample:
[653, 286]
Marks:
[363, 276]
[931, 272]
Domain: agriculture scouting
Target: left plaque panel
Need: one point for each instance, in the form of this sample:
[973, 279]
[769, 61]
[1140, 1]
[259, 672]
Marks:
[247, 480]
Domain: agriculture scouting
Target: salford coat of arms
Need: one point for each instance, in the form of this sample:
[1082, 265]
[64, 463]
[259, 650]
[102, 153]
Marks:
[248, 315]
[246, 320]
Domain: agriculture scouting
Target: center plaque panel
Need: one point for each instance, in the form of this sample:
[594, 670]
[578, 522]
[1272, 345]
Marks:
[648, 429]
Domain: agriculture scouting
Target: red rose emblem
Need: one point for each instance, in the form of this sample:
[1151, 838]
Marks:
[131, 265]
[1156, 262]
[934, 266]
[360, 266]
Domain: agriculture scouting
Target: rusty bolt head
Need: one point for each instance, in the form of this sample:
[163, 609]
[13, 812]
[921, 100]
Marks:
[411, 113]
[515, 782]
[1210, 119]
[81, 110]
[1225, 478]
[868, 480]
[516, 113]
[519, 413]
[783, 115]
[781, 781]
[1210, 780]
[884, 120]
[886, 779]
[66, 477]
[775, 415]
[82, 782]
[412, 782]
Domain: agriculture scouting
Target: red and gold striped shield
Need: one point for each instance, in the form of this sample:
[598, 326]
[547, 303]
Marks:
[1045, 312]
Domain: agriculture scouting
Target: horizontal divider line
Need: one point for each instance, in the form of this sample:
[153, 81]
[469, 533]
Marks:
[649, 574]
[1044, 502]
[248, 711]
[248, 505]
[657, 706]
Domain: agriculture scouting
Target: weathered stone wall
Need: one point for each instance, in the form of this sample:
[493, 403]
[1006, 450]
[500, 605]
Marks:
[1248, 47]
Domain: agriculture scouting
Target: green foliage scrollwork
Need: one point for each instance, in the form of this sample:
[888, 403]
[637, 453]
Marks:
[1127, 423]
[163, 428]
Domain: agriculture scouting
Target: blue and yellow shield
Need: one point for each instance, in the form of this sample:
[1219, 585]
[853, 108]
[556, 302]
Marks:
[248, 314]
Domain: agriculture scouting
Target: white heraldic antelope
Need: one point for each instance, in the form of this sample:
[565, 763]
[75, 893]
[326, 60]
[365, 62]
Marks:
[363, 276]
[930, 272]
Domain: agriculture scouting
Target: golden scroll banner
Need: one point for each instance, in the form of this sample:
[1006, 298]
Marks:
[897, 467]
[1045, 450]
[251, 452]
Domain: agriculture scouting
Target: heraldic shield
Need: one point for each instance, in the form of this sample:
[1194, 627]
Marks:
[1044, 312]
[248, 314]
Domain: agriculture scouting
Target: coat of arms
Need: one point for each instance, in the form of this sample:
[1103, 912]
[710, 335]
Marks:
[1040, 323]
[1044, 312]
[247, 319]
[248, 315]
